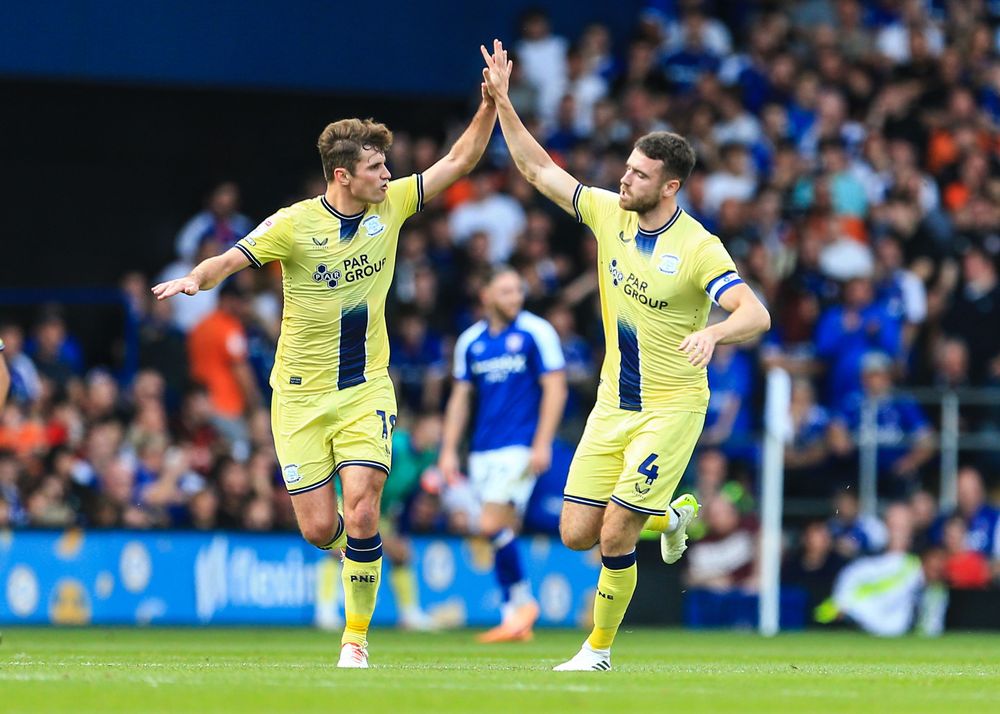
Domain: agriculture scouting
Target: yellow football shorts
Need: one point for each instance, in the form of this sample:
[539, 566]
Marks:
[635, 459]
[315, 435]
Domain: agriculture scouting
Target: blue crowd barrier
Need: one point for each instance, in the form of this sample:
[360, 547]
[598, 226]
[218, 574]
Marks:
[191, 578]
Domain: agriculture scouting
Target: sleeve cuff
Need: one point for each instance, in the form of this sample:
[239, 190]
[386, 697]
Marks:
[249, 256]
[576, 202]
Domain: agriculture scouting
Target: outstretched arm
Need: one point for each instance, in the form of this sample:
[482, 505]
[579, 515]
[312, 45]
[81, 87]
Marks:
[205, 276]
[529, 156]
[466, 152]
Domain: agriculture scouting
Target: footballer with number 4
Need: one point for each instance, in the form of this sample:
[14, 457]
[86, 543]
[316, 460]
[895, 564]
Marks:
[334, 408]
[659, 273]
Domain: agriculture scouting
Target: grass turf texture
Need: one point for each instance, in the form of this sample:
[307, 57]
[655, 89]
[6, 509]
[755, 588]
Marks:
[285, 670]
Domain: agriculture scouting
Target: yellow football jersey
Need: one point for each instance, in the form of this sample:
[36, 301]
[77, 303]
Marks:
[336, 271]
[657, 288]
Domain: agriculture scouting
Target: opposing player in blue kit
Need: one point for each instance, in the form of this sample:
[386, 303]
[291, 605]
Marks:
[511, 363]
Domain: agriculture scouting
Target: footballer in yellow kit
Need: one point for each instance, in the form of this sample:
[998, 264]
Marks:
[659, 271]
[334, 404]
[657, 287]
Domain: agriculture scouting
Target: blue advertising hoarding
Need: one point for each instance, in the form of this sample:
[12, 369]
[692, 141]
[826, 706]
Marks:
[189, 578]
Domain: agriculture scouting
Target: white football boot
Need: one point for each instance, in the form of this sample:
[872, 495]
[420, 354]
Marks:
[353, 656]
[673, 544]
[587, 660]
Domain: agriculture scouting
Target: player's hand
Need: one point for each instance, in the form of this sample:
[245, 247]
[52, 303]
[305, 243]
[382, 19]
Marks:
[699, 347]
[540, 459]
[448, 466]
[186, 285]
[496, 74]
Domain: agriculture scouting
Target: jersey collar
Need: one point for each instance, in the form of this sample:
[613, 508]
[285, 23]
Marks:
[338, 214]
[665, 227]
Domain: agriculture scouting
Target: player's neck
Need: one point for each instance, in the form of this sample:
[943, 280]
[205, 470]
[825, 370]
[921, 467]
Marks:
[497, 323]
[343, 201]
[656, 218]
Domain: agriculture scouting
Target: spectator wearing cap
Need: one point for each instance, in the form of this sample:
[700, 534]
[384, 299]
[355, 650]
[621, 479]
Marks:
[217, 350]
[904, 437]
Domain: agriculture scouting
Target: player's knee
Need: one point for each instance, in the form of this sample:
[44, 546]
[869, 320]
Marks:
[318, 532]
[576, 539]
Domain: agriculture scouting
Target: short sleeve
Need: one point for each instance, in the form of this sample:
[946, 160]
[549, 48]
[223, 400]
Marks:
[271, 240]
[460, 368]
[406, 195]
[546, 341]
[594, 206]
[714, 269]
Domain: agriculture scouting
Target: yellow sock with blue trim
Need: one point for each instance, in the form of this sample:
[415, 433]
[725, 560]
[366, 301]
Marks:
[362, 574]
[614, 592]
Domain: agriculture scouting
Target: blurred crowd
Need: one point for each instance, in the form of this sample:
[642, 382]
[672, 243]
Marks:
[849, 159]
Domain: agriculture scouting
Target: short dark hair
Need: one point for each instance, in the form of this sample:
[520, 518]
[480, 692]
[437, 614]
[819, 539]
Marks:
[341, 143]
[672, 149]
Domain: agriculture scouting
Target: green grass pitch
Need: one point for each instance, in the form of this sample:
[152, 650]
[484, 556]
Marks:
[292, 670]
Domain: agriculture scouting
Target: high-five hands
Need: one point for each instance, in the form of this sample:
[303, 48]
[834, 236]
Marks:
[496, 73]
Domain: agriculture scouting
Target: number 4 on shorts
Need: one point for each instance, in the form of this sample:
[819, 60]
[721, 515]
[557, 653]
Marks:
[648, 469]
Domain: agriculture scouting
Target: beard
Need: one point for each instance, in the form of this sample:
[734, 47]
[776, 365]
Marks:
[640, 205]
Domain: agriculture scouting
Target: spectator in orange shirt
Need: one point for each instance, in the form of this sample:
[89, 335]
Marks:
[217, 350]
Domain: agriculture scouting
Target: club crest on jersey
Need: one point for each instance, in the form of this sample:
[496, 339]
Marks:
[477, 348]
[373, 225]
[323, 274]
[514, 342]
[291, 474]
[669, 264]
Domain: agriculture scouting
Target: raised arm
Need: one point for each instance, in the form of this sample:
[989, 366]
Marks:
[205, 276]
[466, 152]
[531, 159]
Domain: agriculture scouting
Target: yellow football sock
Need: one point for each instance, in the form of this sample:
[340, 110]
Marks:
[362, 574]
[662, 524]
[614, 592]
[404, 586]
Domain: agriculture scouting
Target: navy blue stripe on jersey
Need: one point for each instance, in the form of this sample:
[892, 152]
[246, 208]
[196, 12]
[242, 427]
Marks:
[250, 256]
[576, 202]
[349, 227]
[629, 389]
[645, 243]
[420, 192]
[638, 509]
[666, 226]
[353, 332]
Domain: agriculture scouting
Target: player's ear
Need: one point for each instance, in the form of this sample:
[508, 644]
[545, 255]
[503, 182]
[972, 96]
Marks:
[671, 187]
[341, 176]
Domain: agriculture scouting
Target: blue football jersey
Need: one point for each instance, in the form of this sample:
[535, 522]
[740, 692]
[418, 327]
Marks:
[504, 369]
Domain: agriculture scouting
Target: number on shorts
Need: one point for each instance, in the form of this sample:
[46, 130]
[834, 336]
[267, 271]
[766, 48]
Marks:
[648, 469]
[388, 423]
